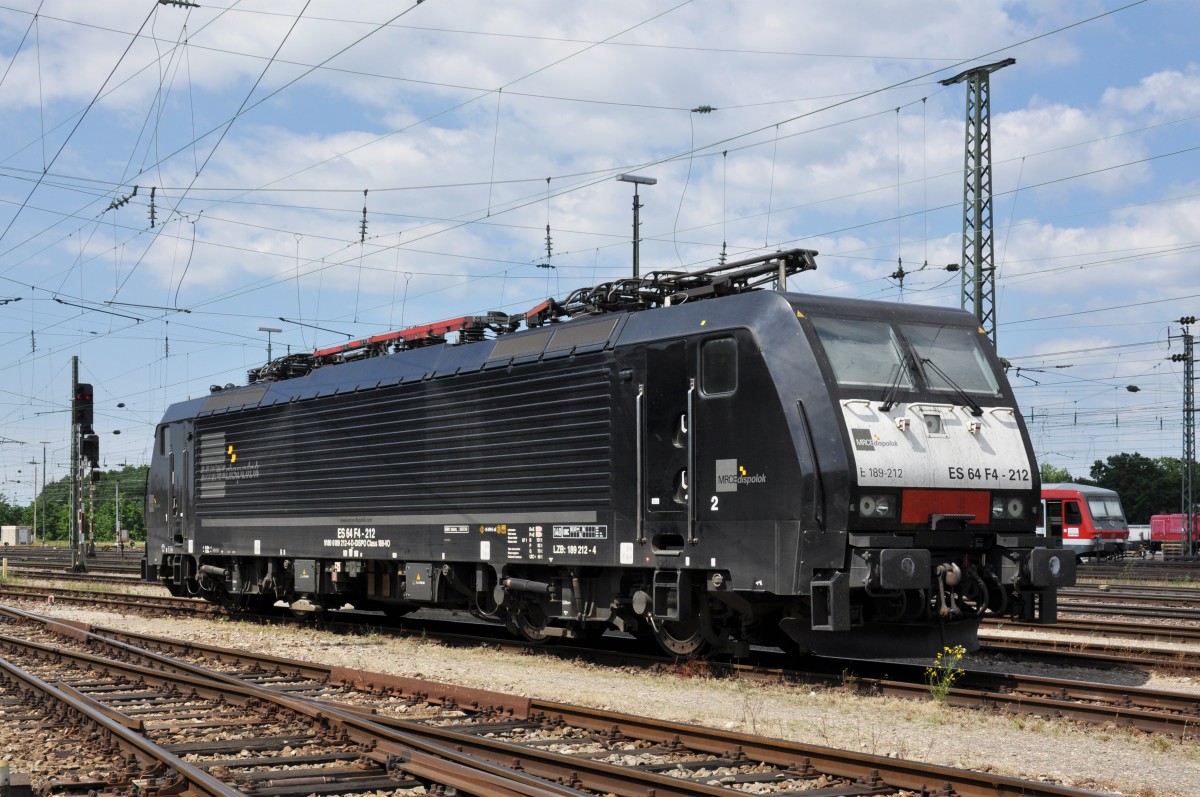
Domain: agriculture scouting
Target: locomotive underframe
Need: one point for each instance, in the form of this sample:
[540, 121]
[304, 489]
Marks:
[888, 591]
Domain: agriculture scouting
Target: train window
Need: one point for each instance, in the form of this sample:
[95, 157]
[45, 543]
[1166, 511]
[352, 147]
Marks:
[162, 440]
[862, 353]
[1071, 514]
[718, 366]
[951, 359]
[1106, 509]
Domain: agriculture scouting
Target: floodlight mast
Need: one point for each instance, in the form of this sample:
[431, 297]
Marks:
[637, 180]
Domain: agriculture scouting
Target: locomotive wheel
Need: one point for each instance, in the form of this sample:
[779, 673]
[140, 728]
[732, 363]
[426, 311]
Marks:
[307, 614]
[973, 595]
[679, 638]
[530, 623]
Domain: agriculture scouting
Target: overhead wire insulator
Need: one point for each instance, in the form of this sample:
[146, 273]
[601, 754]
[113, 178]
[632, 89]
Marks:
[703, 109]
[153, 189]
[362, 227]
[116, 203]
[549, 252]
[180, 3]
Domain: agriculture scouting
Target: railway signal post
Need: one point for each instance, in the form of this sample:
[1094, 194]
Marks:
[85, 452]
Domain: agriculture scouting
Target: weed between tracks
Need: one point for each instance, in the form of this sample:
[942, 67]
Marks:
[945, 670]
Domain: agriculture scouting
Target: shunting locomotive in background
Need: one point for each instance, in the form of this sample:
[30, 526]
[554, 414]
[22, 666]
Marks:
[682, 456]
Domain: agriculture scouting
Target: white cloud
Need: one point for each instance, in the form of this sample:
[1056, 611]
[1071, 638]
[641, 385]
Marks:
[1169, 94]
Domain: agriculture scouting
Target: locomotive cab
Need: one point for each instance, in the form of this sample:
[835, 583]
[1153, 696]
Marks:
[942, 494]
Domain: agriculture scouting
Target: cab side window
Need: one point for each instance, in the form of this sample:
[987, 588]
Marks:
[1071, 514]
[718, 366]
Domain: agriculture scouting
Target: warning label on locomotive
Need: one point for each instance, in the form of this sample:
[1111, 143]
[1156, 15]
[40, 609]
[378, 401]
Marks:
[580, 532]
[526, 544]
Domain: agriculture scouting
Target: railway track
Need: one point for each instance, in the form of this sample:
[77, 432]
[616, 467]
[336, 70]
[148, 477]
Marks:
[348, 729]
[185, 731]
[39, 558]
[101, 600]
[1149, 570]
[1151, 632]
[1176, 714]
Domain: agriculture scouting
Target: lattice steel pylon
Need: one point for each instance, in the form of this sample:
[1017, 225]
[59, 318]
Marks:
[1187, 487]
[978, 262]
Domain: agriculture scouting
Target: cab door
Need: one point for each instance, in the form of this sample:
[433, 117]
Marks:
[1072, 520]
[179, 490]
[714, 411]
[665, 433]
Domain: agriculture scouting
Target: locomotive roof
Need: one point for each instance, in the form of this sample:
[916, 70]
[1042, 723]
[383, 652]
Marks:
[886, 311]
[753, 309]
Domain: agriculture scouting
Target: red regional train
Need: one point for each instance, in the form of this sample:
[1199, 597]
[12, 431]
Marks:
[1088, 519]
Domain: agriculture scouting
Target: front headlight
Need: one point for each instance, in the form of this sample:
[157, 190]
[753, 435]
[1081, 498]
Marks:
[1007, 506]
[1015, 507]
[876, 506]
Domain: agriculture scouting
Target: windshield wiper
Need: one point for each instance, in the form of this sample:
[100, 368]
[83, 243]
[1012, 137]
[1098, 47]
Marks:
[889, 397]
[976, 410]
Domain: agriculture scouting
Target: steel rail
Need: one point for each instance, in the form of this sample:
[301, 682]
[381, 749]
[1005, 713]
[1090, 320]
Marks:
[1017, 694]
[391, 748]
[1151, 632]
[199, 782]
[792, 757]
[1182, 662]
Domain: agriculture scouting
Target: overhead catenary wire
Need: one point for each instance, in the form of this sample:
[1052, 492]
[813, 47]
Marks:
[390, 233]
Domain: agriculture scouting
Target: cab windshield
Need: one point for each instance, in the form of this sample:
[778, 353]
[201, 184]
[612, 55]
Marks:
[1106, 509]
[951, 359]
[863, 353]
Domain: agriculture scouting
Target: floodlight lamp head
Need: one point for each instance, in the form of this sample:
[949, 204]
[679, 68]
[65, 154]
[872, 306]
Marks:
[637, 179]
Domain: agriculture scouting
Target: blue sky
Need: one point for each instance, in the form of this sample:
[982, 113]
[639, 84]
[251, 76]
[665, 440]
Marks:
[251, 130]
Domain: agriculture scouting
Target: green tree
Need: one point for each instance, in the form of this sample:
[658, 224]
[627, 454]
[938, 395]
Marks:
[54, 508]
[1053, 475]
[1147, 486]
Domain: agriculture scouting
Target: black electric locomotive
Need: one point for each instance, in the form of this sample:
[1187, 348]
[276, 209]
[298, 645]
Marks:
[687, 457]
